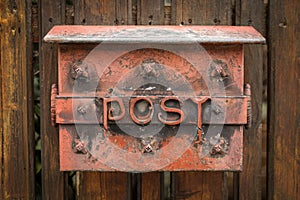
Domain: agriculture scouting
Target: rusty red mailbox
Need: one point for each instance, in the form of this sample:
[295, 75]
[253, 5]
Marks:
[145, 98]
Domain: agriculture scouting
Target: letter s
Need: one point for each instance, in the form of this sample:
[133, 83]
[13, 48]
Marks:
[170, 110]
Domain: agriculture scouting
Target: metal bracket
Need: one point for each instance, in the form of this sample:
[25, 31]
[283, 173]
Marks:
[247, 92]
[53, 104]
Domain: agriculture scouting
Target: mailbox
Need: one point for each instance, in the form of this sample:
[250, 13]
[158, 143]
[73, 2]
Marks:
[151, 98]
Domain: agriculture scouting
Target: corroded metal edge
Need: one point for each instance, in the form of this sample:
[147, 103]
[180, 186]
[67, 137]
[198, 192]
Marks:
[154, 34]
[53, 104]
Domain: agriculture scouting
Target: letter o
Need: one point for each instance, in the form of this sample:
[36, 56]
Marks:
[141, 120]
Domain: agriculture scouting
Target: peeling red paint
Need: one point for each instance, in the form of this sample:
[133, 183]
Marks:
[195, 98]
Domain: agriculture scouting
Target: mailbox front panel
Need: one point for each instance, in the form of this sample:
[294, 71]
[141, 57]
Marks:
[151, 107]
[151, 98]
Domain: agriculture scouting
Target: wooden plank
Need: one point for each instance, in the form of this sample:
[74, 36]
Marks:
[250, 181]
[97, 12]
[252, 13]
[16, 118]
[93, 185]
[188, 12]
[103, 12]
[200, 185]
[284, 100]
[1, 125]
[122, 9]
[152, 186]
[54, 182]
[150, 12]
[209, 185]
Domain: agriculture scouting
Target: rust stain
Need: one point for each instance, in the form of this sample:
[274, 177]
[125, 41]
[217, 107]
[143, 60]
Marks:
[108, 114]
[53, 104]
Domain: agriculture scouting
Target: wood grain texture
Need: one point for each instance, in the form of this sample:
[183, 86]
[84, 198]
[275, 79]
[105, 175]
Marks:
[200, 185]
[122, 9]
[16, 86]
[54, 182]
[284, 100]
[102, 12]
[100, 185]
[252, 13]
[214, 12]
[250, 181]
[150, 12]
[152, 186]
[94, 185]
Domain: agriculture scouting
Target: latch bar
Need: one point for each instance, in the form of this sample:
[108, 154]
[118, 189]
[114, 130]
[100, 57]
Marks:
[217, 110]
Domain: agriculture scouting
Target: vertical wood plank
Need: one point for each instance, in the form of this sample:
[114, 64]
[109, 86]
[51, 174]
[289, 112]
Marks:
[200, 185]
[130, 14]
[250, 182]
[192, 12]
[122, 9]
[150, 12]
[152, 186]
[251, 13]
[284, 100]
[94, 185]
[16, 119]
[53, 181]
[100, 185]
[101, 12]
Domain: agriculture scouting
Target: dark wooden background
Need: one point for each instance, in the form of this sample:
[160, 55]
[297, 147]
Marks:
[271, 162]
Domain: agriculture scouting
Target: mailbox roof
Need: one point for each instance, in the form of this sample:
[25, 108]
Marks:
[154, 34]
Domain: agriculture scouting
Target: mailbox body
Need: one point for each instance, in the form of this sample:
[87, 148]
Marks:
[151, 98]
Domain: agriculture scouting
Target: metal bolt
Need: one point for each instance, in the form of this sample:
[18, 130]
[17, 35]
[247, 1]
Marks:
[79, 147]
[219, 69]
[147, 149]
[150, 144]
[217, 109]
[82, 110]
[79, 71]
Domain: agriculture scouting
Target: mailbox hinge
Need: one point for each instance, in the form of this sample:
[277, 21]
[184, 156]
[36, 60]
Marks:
[247, 92]
[53, 104]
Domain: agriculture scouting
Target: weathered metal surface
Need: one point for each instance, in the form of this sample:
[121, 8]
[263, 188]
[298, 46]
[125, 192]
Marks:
[149, 106]
[221, 110]
[197, 157]
[249, 107]
[53, 101]
[154, 34]
[110, 62]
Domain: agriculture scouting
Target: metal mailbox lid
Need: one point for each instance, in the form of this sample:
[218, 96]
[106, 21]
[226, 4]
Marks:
[154, 34]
